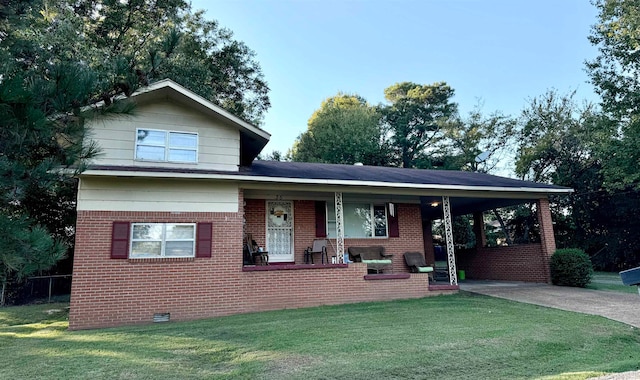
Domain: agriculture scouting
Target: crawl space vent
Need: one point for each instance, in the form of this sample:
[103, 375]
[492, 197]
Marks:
[161, 317]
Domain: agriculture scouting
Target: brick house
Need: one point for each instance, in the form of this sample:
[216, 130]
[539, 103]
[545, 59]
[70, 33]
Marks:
[164, 211]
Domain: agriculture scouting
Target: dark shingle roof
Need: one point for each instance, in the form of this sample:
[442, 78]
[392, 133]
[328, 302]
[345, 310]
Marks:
[391, 175]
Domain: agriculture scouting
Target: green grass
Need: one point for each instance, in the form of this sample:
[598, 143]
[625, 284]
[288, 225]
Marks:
[609, 281]
[463, 336]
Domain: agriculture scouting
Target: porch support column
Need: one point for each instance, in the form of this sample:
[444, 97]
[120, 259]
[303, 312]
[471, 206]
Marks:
[547, 238]
[448, 231]
[339, 228]
[478, 229]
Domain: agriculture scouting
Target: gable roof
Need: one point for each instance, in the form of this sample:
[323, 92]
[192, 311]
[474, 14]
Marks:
[252, 138]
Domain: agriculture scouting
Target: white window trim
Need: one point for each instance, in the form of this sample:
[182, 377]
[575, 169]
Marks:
[331, 218]
[166, 145]
[163, 241]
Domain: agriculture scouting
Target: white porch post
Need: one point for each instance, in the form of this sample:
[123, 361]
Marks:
[339, 228]
[448, 228]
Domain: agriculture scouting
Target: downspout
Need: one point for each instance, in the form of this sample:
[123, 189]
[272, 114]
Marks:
[448, 231]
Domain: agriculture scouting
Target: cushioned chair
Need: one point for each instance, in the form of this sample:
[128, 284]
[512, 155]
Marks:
[373, 256]
[417, 264]
[318, 246]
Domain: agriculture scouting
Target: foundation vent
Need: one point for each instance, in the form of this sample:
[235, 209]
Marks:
[161, 317]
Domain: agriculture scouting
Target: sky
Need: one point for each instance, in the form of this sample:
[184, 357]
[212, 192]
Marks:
[498, 53]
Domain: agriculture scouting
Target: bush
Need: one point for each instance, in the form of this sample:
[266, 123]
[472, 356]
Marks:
[571, 267]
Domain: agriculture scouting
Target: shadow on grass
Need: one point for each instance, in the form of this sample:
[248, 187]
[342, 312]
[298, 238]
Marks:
[445, 337]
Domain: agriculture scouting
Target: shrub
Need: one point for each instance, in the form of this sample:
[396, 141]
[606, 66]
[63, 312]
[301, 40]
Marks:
[571, 267]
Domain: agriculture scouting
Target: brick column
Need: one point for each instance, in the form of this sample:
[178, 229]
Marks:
[478, 229]
[547, 238]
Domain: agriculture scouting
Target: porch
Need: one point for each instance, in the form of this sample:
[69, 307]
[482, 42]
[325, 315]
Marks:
[403, 224]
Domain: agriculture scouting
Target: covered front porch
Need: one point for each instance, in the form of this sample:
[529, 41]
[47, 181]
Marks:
[285, 222]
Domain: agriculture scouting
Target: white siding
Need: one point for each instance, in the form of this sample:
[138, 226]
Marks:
[155, 194]
[218, 144]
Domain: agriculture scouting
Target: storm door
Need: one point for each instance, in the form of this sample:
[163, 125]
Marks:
[280, 231]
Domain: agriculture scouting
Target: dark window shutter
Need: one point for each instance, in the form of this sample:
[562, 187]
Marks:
[394, 230]
[120, 240]
[321, 219]
[204, 238]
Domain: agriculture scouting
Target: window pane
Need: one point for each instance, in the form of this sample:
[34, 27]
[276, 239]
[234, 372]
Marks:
[155, 153]
[180, 232]
[357, 220]
[147, 137]
[147, 231]
[380, 220]
[178, 248]
[331, 219]
[331, 229]
[182, 155]
[183, 140]
[146, 248]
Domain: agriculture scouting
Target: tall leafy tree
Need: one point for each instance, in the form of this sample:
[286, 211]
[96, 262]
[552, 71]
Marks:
[615, 72]
[160, 39]
[477, 142]
[415, 118]
[561, 143]
[344, 130]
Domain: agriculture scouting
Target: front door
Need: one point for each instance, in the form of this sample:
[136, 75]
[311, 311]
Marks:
[280, 231]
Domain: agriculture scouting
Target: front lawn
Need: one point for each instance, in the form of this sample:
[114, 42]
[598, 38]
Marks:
[609, 281]
[448, 337]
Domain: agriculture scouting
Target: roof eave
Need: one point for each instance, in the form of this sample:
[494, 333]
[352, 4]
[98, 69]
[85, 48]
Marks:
[253, 181]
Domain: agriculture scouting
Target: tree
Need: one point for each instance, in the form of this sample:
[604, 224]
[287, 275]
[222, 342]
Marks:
[164, 39]
[344, 130]
[615, 72]
[415, 118]
[476, 143]
[25, 251]
[562, 143]
[45, 97]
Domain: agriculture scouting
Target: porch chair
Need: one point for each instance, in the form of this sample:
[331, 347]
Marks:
[417, 264]
[441, 264]
[318, 246]
[255, 252]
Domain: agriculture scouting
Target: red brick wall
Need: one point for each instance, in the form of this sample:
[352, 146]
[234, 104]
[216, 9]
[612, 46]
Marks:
[254, 213]
[110, 292]
[305, 231]
[515, 263]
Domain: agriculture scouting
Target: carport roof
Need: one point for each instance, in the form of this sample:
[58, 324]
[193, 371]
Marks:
[477, 183]
[397, 177]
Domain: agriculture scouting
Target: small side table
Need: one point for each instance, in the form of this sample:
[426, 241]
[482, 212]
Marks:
[262, 256]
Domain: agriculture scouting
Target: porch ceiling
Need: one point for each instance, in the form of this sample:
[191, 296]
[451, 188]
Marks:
[432, 205]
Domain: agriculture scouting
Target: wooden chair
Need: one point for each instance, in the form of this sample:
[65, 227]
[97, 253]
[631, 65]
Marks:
[318, 246]
[254, 251]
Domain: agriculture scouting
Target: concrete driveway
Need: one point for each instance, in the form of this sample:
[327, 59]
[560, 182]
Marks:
[620, 307]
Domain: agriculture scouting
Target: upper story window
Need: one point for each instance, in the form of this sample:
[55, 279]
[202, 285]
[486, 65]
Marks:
[157, 145]
[361, 220]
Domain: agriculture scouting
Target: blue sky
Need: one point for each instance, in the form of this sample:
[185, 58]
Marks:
[499, 52]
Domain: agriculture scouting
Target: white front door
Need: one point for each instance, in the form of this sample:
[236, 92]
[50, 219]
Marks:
[280, 231]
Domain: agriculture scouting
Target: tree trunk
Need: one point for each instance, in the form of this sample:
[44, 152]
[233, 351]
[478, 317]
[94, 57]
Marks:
[503, 226]
[4, 286]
